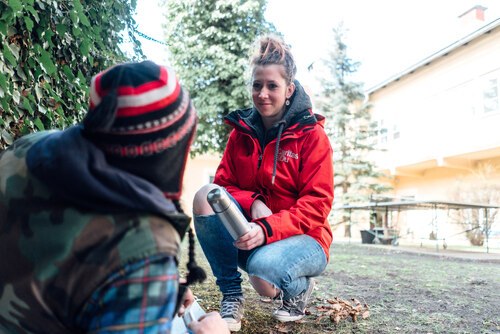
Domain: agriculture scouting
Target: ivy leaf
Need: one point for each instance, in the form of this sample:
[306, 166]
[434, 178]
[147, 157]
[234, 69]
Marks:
[74, 17]
[85, 21]
[7, 137]
[61, 29]
[33, 12]
[3, 28]
[29, 23]
[16, 96]
[68, 73]
[5, 104]
[81, 15]
[38, 123]
[14, 48]
[47, 36]
[27, 106]
[9, 56]
[46, 62]
[16, 5]
[85, 48]
[3, 81]
[38, 92]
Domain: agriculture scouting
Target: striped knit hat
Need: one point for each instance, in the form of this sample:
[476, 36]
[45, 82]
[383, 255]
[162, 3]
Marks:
[144, 121]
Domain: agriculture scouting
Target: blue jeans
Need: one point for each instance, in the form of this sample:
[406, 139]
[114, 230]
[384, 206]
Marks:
[286, 264]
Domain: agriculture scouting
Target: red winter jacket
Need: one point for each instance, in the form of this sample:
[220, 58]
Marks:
[302, 194]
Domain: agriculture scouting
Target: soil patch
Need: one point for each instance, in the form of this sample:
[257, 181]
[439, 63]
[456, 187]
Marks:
[406, 292]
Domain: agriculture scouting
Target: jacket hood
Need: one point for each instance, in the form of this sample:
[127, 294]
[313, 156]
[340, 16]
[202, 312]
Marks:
[77, 171]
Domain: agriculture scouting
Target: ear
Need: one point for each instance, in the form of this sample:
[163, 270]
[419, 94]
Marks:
[289, 90]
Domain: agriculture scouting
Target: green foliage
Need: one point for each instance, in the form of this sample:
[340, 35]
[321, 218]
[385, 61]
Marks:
[350, 128]
[209, 42]
[49, 51]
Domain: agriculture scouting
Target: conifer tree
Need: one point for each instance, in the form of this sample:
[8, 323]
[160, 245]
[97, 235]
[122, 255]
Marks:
[351, 130]
[209, 42]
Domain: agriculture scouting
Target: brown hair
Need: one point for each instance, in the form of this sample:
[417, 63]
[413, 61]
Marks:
[272, 50]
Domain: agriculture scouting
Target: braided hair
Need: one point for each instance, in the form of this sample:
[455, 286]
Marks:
[196, 274]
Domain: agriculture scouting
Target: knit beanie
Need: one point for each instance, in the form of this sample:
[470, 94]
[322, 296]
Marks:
[144, 121]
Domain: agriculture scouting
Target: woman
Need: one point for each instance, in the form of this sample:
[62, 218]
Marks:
[278, 168]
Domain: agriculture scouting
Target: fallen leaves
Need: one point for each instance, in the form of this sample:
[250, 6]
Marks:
[338, 309]
[282, 327]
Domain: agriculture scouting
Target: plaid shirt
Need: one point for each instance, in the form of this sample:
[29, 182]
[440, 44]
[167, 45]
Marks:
[140, 298]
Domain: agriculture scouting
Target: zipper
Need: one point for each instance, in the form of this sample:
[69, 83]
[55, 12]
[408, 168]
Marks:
[259, 162]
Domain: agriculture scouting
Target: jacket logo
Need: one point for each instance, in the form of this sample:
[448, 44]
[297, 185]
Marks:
[286, 155]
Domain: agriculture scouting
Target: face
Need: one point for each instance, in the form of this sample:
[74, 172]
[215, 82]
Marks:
[269, 93]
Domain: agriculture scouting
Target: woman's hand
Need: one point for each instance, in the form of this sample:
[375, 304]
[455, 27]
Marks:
[259, 209]
[254, 238]
[187, 300]
[210, 323]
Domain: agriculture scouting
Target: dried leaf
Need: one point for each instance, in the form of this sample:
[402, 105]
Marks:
[339, 309]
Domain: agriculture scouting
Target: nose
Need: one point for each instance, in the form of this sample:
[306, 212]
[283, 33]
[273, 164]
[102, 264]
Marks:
[263, 93]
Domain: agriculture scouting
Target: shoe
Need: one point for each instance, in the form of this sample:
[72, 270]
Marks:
[293, 309]
[231, 310]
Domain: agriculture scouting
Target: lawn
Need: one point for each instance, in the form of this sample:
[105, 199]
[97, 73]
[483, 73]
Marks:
[402, 293]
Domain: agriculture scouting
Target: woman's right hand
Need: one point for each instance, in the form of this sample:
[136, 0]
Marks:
[210, 323]
[259, 209]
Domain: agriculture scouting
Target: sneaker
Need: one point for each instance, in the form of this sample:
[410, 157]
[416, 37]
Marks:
[231, 310]
[293, 309]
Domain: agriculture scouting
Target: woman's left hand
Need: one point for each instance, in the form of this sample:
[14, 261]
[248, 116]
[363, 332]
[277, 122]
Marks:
[254, 238]
[187, 300]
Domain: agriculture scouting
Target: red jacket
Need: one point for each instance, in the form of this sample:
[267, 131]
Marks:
[302, 194]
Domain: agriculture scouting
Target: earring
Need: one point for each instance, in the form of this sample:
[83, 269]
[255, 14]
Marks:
[287, 102]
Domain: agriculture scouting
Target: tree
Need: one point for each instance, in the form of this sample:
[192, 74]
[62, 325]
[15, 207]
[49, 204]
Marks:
[350, 128]
[477, 189]
[209, 42]
[49, 52]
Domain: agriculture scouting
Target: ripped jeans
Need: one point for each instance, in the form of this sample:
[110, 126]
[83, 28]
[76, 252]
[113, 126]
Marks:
[286, 264]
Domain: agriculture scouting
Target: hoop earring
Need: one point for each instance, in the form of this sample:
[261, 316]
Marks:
[287, 102]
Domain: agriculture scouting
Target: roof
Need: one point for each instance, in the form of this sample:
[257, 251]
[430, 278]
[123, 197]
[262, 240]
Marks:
[416, 205]
[441, 53]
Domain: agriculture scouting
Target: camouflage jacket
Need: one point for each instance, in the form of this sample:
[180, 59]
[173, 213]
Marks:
[54, 254]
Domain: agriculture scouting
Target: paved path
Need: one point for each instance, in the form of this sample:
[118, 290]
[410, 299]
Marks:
[465, 255]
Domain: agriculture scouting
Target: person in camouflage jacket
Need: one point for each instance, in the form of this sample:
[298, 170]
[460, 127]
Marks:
[90, 221]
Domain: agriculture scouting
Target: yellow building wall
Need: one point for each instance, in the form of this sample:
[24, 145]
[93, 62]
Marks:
[444, 139]
[433, 109]
[198, 172]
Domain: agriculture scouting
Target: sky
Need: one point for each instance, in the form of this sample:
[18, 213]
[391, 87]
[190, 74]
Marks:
[384, 36]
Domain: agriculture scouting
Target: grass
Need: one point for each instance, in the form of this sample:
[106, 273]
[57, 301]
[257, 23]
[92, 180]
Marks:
[405, 293]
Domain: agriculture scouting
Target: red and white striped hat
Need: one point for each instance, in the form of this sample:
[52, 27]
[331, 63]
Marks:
[143, 120]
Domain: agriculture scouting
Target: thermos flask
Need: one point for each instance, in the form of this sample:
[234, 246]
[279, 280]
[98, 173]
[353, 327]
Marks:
[230, 215]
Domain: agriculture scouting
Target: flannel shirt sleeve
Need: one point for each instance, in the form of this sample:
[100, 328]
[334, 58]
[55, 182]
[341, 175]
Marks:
[139, 298]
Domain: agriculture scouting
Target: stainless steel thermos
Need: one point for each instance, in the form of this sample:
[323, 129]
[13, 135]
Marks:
[230, 215]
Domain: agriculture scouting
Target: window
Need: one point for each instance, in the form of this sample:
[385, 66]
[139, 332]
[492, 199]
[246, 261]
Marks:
[382, 132]
[395, 131]
[490, 95]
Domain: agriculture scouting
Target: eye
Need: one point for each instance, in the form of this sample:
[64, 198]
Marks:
[272, 86]
[256, 86]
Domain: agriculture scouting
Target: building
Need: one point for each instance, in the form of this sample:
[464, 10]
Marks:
[439, 123]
